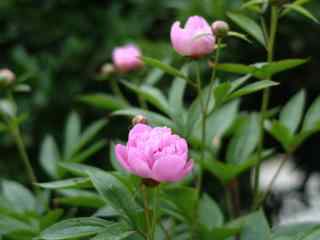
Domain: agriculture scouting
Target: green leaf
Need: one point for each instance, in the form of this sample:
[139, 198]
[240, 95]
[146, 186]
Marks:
[164, 67]
[72, 133]
[89, 134]
[291, 114]
[181, 202]
[245, 140]
[312, 118]
[256, 227]
[301, 10]
[76, 169]
[295, 230]
[220, 92]
[88, 152]
[49, 156]
[156, 74]
[103, 101]
[10, 224]
[210, 214]
[19, 197]
[238, 35]
[252, 3]
[176, 94]
[253, 87]
[80, 198]
[280, 132]
[114, 192]
[235, 68]
[150, 94]
[153, 118]
[219, 233]
[81, 182]
[115, 232]
[75, 228]
[248, 25]
[266, 71]
[50, 218]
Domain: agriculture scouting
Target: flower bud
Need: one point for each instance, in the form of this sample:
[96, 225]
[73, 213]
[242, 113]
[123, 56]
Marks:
[107, 69]
[127, 58]
[7, 77]
[195, 39]
[220, 29]
[139, 119]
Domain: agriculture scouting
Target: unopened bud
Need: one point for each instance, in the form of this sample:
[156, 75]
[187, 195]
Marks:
[7, 77]
[139, 119]
[107, 69]
[220, 29]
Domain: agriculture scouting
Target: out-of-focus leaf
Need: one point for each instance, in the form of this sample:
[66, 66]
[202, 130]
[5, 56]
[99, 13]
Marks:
[76, 169]
[295, 230]
[153, 118]
[164, 67]
[10, 224]
[245, 140]
[75, 228]
[251, 88]
[50, 218]
[239, 35]
[67, 183]
[301, 10]
[235, 68]
[256, 227]
[210, 214]
[103, 101]
[72, 133]
[155, 74]
[291, 114]
[312, 118]
[88, 152]
[281, 133]
[176, 94]
[19, 197]
[248, 25]
[49, 156]
[81, 198]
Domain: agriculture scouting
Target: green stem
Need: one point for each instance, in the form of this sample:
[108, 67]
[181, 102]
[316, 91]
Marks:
[155, 212]
[23, 153]
[260, 201]
[116, 90]
[265, 98]
[146, 211]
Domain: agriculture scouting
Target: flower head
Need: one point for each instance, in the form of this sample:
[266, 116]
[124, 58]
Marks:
[220, 28]
[127, 58]
[154, 153]
[195, 39]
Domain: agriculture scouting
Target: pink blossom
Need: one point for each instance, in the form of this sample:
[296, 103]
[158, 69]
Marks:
[155, 153]
[127, 58]
[195, 39]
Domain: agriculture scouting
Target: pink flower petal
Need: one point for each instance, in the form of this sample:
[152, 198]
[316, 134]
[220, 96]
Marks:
[121, 155]
[138, 163]
[180, 39]
[168, 168]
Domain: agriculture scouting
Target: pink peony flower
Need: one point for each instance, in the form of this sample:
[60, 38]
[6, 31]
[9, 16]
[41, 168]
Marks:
[155, 153]
[127, 58]
[195, 39]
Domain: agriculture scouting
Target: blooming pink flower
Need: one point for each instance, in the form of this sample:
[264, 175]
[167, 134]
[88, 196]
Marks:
[127, 58]
[195, 39]
[155, 153]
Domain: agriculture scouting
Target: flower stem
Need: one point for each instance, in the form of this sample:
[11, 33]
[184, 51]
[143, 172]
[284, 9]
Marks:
[155, 212]
[146, 211]
[265, 98]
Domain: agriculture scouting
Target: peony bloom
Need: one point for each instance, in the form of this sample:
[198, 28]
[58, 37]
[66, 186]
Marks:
[195, 39]
[127, 58]
[154, 153]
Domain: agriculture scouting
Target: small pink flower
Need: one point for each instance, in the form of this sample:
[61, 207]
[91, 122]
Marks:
[127, 58]
[195, 39]
[155, 153]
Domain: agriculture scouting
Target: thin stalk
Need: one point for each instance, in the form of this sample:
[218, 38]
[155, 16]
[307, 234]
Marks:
[15, 132]
[146, 212]
[155, 212]
[265, 97]
[116, 90]
[274, 178]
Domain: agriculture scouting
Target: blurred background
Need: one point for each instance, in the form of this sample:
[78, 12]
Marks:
[60, 46]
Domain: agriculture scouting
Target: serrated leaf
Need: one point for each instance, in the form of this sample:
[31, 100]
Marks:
[248, 25]
[291, 114]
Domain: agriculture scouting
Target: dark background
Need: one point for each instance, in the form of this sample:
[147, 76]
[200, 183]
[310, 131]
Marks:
[61, 45]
